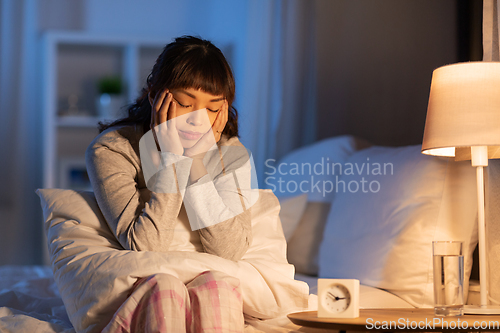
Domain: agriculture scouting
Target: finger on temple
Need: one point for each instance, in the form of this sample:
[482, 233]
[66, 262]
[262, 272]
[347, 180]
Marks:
[163, 113]
[172, 113]
[157, 100]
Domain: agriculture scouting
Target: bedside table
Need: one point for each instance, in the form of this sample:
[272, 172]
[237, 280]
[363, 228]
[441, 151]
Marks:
[400, 320]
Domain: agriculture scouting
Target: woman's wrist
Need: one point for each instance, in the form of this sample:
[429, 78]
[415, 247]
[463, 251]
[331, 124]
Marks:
[198, 169]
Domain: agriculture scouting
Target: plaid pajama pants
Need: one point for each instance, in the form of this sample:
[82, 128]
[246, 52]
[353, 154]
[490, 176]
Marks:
[211, 302]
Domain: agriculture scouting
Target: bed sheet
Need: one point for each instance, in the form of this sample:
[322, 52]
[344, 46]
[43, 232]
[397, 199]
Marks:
[30, 302]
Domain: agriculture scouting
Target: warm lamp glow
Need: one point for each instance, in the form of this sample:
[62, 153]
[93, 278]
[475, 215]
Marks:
[448, 152]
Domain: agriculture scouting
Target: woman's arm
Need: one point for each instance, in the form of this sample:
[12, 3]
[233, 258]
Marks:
[141, 220]
[219, 208]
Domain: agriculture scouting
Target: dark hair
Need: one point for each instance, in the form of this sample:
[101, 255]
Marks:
[188, 62]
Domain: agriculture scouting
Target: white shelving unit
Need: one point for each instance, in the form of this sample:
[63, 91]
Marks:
[73, 63]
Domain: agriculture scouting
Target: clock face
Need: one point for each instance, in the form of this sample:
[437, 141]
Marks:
[336, 298]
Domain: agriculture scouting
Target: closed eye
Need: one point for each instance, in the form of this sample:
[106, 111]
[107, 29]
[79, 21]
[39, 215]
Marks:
[182, 105]
[188, 106]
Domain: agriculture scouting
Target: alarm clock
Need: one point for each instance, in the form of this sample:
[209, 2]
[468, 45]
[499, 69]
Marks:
[338, 298]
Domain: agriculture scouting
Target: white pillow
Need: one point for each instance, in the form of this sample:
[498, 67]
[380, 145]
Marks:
[303, 246]
[291, 212]
[307, 167]
[382, 234]
[95, 275]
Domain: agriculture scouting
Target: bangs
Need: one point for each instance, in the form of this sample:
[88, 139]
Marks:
[187, 62]
[200, 70]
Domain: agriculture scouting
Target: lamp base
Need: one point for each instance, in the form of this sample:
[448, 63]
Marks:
[482, 310]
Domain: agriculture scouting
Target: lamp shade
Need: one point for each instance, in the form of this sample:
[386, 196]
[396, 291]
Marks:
[463, 110]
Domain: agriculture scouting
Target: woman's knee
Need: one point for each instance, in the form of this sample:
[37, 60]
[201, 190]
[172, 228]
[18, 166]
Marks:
[165, 282]
[220, 279]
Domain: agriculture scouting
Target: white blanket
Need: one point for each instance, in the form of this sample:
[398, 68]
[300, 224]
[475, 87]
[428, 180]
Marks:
[95, 275]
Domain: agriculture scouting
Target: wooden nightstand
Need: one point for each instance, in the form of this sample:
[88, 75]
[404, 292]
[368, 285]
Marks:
[401, 320]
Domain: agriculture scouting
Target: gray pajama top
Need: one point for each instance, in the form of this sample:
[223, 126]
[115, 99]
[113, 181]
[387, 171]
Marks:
[151, 218]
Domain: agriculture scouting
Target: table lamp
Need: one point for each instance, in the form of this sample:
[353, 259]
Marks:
[463, 121]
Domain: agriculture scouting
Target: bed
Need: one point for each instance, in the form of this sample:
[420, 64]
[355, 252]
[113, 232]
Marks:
[348, 210]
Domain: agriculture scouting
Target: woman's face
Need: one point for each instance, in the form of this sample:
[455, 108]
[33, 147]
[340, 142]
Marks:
[196, 112]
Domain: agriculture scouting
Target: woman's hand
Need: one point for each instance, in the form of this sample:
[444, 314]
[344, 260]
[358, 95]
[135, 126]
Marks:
[163, 123]
[211, 137]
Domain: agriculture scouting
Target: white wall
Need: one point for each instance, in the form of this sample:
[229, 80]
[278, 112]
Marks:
[222, 21]
[375, 61]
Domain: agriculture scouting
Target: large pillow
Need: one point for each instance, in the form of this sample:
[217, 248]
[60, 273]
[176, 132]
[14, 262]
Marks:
[303, 245]
[306, 169]
[291, 212]
[95, 275]
[390, 204]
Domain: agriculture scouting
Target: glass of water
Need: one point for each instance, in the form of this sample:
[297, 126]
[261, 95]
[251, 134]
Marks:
[448, 264]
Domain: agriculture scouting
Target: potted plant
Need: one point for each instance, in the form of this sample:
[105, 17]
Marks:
[110, 99]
